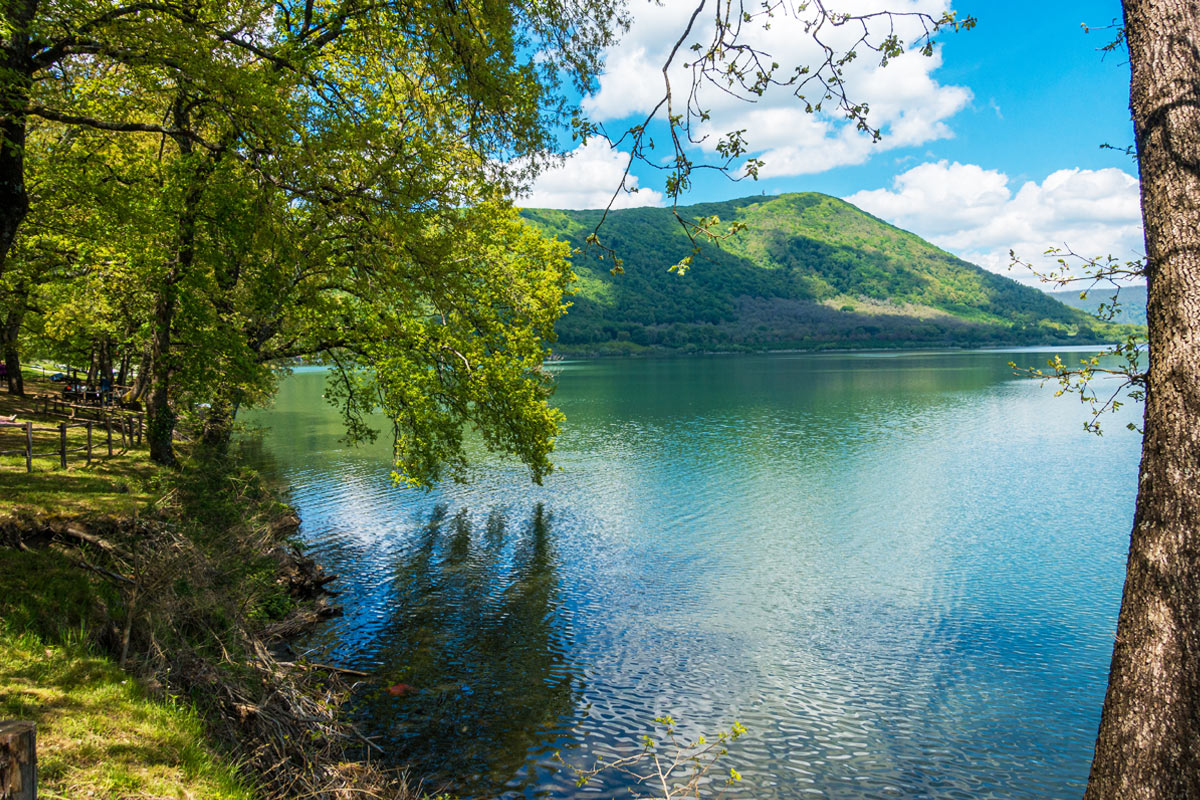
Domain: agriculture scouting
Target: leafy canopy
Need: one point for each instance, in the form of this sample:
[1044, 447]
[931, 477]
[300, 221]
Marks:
[238, 185]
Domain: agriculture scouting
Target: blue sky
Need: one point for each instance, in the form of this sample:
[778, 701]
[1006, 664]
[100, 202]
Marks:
[992, 144]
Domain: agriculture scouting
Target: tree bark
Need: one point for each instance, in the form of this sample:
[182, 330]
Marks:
[18, 760]
[162, 417]
[104, 367]
[12, 353]
[123, 369]
[103, 376]
[1148, 745]
[14, 97]
[141, 381]
[93, 360]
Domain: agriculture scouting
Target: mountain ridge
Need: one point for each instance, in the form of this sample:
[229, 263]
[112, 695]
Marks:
[810, 271]
[1130, 302]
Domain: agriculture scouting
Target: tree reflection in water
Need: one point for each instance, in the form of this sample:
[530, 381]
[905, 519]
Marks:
[479, 635]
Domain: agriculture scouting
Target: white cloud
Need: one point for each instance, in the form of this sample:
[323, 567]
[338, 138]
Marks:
[905, 101]
[588, 179]
[972, 212]
[632, 82]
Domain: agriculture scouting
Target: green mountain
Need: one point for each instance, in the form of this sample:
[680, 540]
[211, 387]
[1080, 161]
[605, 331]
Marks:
[1130, 302]
[810, 272]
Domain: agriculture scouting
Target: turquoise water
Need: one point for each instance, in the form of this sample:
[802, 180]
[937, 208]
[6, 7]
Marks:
[900, 571]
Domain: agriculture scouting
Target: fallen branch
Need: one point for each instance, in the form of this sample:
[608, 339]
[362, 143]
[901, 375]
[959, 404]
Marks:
[79, 561]
[328, 667]
[74, 531]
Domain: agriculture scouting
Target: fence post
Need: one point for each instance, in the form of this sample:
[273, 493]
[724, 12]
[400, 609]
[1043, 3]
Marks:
[89, 458]
[29, 447]
[18, 760]
[108, 428]
[141, 427]
[62, 444]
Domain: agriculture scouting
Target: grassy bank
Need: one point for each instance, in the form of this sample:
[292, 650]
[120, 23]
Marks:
[100, 733]
[187, 579]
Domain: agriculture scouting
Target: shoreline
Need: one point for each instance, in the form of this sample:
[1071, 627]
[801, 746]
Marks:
[193, 612]
[558, 358]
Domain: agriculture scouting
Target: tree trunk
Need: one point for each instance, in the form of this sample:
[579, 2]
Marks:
[104, 365]
[17, 80]
[18, 760]
[12, 353]
[142, 381]
[93, 355]
[1149, 740]
[162, 417]
[123, 369]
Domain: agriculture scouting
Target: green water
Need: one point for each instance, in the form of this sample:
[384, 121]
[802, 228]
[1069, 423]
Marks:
[899, 570]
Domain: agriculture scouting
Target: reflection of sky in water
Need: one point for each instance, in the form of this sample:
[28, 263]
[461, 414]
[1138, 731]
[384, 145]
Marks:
[900, 571]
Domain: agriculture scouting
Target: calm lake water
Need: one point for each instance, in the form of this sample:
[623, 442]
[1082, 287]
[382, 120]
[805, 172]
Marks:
[900, 571]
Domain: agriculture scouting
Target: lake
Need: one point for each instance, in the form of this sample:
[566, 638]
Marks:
[899, 570]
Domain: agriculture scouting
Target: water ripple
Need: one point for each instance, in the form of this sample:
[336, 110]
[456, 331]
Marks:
[899, 571]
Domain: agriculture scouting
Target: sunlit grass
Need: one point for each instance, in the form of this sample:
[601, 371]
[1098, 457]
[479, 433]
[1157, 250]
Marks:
[115, 486]
[98, 734]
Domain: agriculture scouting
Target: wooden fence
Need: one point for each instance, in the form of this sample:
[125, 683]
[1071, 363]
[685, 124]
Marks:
[59, 405]
[128, 431]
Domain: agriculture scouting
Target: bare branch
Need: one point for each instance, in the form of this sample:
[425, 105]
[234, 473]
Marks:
[735, 67]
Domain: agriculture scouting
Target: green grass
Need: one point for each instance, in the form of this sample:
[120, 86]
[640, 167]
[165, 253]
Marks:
[48, 596]
[111, 486]
[99, 733]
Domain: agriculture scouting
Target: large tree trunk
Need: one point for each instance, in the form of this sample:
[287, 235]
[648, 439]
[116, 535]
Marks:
[15, 83]
[162, 416]
[12, 354]
[160, 426]
[1149, 740]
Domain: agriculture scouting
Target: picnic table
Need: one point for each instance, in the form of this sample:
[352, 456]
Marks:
[89, 395]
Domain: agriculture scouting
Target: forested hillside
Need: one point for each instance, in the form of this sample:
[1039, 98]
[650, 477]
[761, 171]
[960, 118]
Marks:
[810, 271]
[1130, 302]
